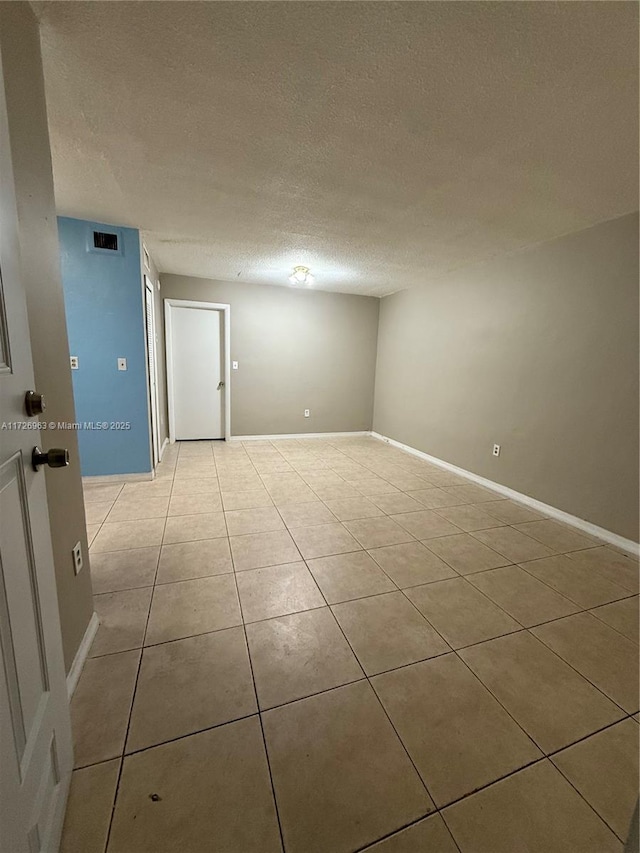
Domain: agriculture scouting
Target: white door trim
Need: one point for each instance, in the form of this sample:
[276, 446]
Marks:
[154, 414]
[206, 306]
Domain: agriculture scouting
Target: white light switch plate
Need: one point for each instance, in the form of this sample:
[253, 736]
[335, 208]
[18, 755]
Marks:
[122, 364]
[234, 365]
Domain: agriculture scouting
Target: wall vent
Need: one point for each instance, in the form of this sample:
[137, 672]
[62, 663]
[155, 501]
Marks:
[105, 240]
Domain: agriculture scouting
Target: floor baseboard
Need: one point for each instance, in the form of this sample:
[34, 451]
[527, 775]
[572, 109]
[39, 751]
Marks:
[627, 545]
[119, 478]
[355, 434]
[81, 654]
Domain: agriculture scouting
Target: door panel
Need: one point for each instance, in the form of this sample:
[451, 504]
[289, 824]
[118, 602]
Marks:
[196, 356]
[35, 733]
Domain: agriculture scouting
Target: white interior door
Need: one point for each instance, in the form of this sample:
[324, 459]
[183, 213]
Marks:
[153, 368]
[35, 733]
[197, 373]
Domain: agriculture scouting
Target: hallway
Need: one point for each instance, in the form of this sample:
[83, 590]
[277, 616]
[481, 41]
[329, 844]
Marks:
[312, 645]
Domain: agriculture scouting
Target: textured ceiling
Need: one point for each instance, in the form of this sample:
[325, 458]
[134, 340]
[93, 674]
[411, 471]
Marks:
[379, 143]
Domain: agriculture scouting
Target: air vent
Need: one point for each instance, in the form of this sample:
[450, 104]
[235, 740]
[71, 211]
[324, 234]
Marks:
[105, 240]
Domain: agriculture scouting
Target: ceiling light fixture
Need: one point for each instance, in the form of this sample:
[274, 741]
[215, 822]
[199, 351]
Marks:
[301, 275]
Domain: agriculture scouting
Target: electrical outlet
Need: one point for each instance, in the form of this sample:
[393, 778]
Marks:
[122, 364]
[76, 553]
[307, 413]
[496, 450]
[74, 362]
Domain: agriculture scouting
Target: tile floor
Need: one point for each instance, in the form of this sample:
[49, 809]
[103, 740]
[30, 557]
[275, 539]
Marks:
[331, 645]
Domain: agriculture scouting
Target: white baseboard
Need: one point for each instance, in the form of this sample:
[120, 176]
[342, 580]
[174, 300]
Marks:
[162, 449]
[300, 435]
[119, 478]
[81, 654]
[627, 545]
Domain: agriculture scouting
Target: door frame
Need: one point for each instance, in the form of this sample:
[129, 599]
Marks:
[205, 306]
[154, 408]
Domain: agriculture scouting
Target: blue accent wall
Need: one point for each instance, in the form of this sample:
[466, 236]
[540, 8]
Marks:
[105, 320]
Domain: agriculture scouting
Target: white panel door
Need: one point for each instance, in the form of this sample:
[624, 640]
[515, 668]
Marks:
[35, 733]
[197, 373]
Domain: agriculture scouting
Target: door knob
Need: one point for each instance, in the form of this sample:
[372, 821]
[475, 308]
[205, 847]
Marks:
[34, 403]
[57, 457]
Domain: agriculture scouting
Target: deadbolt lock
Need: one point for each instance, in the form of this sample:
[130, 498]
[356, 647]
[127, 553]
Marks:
[34, 403]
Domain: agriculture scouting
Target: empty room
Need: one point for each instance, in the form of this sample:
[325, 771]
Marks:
[319, 434]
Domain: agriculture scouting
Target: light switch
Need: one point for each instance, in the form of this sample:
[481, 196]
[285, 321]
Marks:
[74, 362]
[122, 364]
[234, 365]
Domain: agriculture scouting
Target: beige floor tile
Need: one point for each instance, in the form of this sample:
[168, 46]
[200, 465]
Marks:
[341, 776]
[305, 514]
[96, 511]
[257, 550]
[610, 564]
[189, 685]
[557, 536]
[147, 488]
[188, 528]
[575, 581]
[123, 535]
[602, 655]
[513, 544]
[101, 492]
[524, 597]
[460, 613]
[123, 620]
[92, 532]
[458, 736]
[425, 524]
[534, 810]
[100, 707]
[91, 796]
[435, 497]
[187, 608]
[471, 493]
[622, 616]
[196, 486]
[296, 655]
[277, 591]
[200, 781]
[430, 834]
[343, 577]
[188, 560]
[375, 486]
[554, 704]
[511, 512]
[134, 507]
[398, 502]
[411, 564]
[195, 471]
[194, 504]
[333, 491]
[116, 570]
[469, 517]
[322, 540]
[246, 500]
[386, 631]
[240, 482]
[604, 769]
[377, 532]
[347, 509]
[292, 494]
[258, 520]
[465, 554]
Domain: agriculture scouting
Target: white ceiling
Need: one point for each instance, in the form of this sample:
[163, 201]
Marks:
[379, 143]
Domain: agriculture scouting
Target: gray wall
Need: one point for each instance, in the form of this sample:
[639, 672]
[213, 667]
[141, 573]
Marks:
[22, 68]
[297, 349]
[537, 352]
